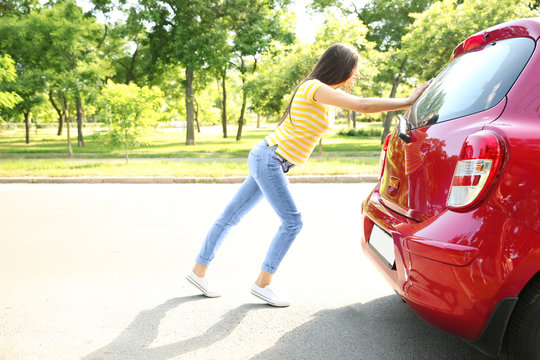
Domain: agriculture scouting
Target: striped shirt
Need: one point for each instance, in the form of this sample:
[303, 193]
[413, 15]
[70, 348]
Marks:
[300, 132]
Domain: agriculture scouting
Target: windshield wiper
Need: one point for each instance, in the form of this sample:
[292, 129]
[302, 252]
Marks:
[404, 126]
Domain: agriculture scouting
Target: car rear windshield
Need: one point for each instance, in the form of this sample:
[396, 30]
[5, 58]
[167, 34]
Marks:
[473, 82]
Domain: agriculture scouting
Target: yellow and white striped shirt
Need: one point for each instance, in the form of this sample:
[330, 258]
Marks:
[300, 132]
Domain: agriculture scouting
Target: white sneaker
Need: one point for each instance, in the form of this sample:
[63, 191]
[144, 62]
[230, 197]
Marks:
[268, 296]
[202, 284]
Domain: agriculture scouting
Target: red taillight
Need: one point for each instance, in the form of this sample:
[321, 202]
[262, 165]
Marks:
[382, 159]
[479, 162]
[475, 41]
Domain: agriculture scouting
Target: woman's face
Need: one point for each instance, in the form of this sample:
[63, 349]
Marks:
[350, 81]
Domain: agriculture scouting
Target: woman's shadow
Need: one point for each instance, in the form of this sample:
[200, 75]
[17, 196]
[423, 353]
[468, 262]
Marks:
[384, 328]
[133, 343]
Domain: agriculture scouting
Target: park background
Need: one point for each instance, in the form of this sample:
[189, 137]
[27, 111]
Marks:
[185, 87]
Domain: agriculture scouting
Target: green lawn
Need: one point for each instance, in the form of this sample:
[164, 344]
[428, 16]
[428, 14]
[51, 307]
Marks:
[164, 153]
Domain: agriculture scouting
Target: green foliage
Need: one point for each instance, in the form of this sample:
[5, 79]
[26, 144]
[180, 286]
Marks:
[130, 110]
[8, 99]
[22, 39]
[16, 7]
[54, 49]
[277, 77]
[389, 20]
[363, 132]
[59, 52]
[279, 73]
[439, 29]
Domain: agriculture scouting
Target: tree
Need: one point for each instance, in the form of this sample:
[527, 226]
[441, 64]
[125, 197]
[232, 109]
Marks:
[18, 39]
[279, 72]
[256, 24]
[17, 7]
[186, 33]
[128, 49]
[447, 23]
[55, 53]
[130, 110]
[72, 65]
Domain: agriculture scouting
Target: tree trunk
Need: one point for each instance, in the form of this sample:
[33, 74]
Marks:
[197, 114]
[190, 133]
[241, 119]
[396, 80]
[354, 119]
[70, 149]
[244, 100]
[61, 113]
[80, 116]
[27, 126]
[258, 121]
[126, 139]
[224, 104]
[130, 71]
[61, 119]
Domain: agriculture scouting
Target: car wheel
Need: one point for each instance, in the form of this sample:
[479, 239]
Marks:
[522, 341]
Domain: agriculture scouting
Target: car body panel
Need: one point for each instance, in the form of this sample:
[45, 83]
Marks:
[430, 158]
[525, 28]
[452, 289]
[521, 126]
[455, 268]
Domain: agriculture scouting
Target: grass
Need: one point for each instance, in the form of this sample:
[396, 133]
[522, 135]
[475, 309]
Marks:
[164, 153]
[60, 168]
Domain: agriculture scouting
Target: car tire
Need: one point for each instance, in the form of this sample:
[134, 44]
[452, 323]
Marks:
[522, 340]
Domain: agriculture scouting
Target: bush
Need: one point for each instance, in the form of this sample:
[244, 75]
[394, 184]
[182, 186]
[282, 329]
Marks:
[361, 132]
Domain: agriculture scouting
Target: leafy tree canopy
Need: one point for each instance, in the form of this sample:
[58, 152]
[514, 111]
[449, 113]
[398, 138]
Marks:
[439, 29]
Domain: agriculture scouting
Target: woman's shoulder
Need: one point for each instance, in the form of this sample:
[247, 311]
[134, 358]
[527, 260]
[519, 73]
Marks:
[310, 83]
[308, 88]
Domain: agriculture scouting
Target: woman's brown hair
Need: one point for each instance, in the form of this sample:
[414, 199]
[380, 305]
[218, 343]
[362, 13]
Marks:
[335, 66]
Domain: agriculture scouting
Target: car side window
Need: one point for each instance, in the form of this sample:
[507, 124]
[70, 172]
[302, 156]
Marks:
[473, 82]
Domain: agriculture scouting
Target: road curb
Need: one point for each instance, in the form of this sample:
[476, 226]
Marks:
[314, 179]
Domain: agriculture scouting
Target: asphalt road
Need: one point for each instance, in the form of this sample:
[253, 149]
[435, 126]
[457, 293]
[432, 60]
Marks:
[96, 272]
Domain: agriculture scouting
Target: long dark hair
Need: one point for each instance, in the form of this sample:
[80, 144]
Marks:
[335, 66]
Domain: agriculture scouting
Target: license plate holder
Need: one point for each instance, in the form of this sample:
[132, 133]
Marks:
[382, 244]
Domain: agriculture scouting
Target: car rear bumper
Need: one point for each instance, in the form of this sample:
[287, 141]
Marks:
[443, 268]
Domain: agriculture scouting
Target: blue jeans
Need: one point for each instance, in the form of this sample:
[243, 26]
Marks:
[266, 178]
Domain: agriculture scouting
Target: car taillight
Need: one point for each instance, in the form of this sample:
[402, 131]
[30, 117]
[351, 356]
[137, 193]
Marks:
[479, 162]
[382, 159]
[475, 41]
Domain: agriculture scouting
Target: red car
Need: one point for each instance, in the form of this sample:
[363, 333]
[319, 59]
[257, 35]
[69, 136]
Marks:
[454, 222]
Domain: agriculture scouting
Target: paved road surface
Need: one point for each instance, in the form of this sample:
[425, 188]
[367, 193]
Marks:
[96, 272]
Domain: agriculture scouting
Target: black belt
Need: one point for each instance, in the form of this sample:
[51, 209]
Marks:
[286, 165]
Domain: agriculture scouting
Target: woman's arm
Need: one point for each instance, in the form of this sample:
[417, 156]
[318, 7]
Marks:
[327, 95]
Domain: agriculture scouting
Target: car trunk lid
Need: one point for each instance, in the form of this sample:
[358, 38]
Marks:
[468, 94]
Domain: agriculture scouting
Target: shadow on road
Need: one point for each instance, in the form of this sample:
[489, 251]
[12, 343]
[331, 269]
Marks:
[133, 342]
[382, 329]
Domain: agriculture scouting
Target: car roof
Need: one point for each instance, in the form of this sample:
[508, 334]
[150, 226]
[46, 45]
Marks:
[529, 27]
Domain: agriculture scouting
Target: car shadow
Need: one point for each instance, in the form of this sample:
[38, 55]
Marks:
[385, 328]
[133, 343]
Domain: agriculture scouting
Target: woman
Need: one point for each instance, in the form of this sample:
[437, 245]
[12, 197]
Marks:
[304, 122]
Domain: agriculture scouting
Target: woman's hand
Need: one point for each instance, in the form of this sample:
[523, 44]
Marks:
[418, 91]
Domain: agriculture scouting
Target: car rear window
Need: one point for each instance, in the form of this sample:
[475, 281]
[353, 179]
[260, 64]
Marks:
[473, 82]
